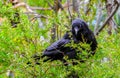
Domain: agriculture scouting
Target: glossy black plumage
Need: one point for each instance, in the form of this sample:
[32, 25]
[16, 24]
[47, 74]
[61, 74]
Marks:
[80, 33]
[84, 34]
[58, 49]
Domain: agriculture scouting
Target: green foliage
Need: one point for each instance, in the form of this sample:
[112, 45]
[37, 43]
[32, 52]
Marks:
[17, 45]
[83, 49]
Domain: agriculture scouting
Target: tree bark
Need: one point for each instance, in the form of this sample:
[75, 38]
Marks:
[109, 9]
[76, 7]
[55, 28]
[108, 18]
[98, 17]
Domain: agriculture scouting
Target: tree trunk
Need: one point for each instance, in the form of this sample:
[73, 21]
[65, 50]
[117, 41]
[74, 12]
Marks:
[76, 7]
[55, 28]
[116, 6]
[98, 17]
[111, 23]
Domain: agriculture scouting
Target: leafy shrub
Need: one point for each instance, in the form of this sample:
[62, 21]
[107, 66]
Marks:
[17, 45]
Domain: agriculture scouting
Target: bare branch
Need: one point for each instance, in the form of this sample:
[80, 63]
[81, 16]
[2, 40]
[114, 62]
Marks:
[98, 16]
[22, 4]
[106, 21]
[39, 16]
[60, 5]
[49, 4]
[68, 1]
[40, 8]
[76, 7]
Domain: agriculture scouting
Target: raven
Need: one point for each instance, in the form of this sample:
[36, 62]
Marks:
[80, 33]
[58, 49]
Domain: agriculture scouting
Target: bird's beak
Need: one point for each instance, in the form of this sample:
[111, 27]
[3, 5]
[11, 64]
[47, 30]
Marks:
[76, 31]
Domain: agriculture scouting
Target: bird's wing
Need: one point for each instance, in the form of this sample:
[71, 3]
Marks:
[55, 48]
[58, 44]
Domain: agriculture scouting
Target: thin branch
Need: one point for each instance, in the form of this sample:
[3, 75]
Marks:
[39, 16]
[68, 1]
[40, 8]
[31, 13]
[106, 21]
[98, 16]
[67, 5]
[60, 5]
[49, 4]
[22, 4]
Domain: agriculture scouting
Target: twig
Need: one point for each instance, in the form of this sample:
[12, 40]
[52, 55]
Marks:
[49, 4]
[60, 5]
[40, 8]
[66, 5]
[39, 16]
[22, 4]
[32, 13]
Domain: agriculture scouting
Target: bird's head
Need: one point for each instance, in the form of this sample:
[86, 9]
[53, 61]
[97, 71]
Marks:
[79, 27]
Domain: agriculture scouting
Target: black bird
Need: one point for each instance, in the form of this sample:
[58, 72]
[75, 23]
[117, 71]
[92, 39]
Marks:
[58, 49]
[80, 33]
